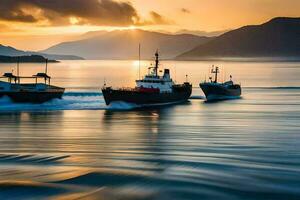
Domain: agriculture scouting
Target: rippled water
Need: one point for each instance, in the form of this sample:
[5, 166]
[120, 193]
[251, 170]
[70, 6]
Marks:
[77, 148]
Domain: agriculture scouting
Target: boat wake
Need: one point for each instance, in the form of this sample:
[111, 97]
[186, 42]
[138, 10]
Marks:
[197, 97]
[69, 101]
[213, 98]
[73, 101]
[121, 105]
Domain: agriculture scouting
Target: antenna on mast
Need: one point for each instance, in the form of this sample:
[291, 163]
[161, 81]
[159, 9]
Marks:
[215, 71]
[156, 62]
[139, 61]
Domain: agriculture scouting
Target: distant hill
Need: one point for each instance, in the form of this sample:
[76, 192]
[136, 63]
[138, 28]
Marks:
[10, 51]
[123, 44]
[29, 59]
[279, 37]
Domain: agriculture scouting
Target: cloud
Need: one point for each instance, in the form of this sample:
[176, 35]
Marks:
[202, 33]
[10, 10]
[158, 19]
[66, 12]
[5, 29]
[184, 10]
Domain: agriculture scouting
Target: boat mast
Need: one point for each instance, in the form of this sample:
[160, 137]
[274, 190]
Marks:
[156, 62]
[139, 61]
[215, 71]
[46, 71]
[18, 70]
[46, 67]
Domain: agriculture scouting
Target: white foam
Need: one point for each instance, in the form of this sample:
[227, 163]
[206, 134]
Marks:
[70, 101]
[121, 105]
[73, 101]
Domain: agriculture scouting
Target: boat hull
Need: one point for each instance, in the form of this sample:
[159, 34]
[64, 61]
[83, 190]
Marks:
[180, 93]
[33, 97]
[218, 91]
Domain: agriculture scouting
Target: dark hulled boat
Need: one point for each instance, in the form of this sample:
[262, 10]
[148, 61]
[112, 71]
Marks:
[214, 90]
[151, 90]
[36, 92]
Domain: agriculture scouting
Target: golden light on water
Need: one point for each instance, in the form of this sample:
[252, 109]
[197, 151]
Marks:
[136, 63]
[132, 27]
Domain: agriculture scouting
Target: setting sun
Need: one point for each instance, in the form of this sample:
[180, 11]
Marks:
[132, 27]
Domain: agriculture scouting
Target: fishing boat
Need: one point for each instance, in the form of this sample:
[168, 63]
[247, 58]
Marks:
[151, 90]
[37, 91]
[215, 90]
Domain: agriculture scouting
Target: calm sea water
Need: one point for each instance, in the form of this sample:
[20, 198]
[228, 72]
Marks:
[77, 148]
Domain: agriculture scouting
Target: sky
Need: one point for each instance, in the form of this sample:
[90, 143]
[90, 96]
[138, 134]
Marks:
[39, 24]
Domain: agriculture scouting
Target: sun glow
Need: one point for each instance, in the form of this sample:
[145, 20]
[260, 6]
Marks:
[73, 20]
[132, 28]
[136, 63]
[48, 28]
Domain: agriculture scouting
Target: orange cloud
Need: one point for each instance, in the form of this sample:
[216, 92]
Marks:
[158, 19]
[74, 12]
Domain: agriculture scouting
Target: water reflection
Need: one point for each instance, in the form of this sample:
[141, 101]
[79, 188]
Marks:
[188, 151]
[142, 120]
[220, 100]
[141, 123]
[91, 74]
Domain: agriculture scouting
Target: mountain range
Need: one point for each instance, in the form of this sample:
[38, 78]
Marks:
[10, 51]
[123, 44]
[23, 59]
[280, 37]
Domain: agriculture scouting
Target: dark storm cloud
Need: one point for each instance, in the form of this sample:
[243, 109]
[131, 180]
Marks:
[59, 12]
[10, 10]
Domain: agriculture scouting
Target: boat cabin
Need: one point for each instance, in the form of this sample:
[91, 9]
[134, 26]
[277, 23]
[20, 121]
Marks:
[153, 81]
[14, 82]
